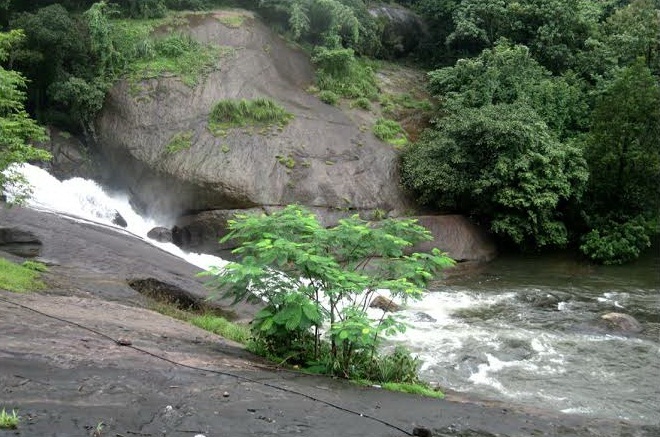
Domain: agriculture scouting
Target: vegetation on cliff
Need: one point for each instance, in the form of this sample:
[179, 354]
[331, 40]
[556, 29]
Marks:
[572, 83]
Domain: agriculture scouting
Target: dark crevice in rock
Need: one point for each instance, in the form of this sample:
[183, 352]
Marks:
[20, 243]
[173, 295]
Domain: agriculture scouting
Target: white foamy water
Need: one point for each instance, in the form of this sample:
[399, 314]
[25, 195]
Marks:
[82, 199]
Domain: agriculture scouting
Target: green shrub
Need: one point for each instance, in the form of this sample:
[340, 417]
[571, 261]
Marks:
[35, 266]
[340, 72]
[329, 97]
[309, 275]
[390, 131]
[240, 113]
[361, 102]
[618, 243]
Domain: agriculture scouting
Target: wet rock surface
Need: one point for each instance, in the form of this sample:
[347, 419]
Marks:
[321, 158]
[19, 242]
[141, 373]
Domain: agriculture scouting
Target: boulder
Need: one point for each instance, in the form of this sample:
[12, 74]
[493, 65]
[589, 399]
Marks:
[201, 232]
[544, 299]
[119, 220]
[160, 234]
[385, 304]
[423, 318]
[19, 242]
[71, 158]
[622, 322]
[456, 235]
[321, 158]
[403, 30]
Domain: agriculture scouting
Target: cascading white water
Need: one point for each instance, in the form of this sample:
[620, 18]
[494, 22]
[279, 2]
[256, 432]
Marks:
[82, 199]
[477, 335]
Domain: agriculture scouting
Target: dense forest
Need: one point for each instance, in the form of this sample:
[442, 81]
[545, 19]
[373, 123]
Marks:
[545, 126]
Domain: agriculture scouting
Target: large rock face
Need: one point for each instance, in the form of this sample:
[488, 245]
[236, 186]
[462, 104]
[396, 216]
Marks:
[403, 30]
[456, 235]
[334, 162]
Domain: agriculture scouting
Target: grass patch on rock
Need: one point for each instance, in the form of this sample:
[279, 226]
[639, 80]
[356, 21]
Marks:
[244, 113]
[339, 71]
[21, 278]
[418, 389]
[222, 327]
[180, 141]
[233, 21]
[9, 421]
[390, 131]
[206, 321]
[151, 49]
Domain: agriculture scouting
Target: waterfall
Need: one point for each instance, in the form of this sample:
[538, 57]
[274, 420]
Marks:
[84, 200]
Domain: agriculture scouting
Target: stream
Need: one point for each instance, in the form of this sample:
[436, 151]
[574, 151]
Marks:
[524, 330]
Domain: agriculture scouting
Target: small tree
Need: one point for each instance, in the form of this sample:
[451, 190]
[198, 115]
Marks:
[313, 277]
[17, 129]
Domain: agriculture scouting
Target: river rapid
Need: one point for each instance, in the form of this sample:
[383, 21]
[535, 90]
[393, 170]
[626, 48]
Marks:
[524, 330]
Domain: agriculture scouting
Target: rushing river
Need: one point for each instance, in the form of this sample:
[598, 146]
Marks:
[522, 330]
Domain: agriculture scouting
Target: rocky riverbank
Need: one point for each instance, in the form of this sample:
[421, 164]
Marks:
[86, 357]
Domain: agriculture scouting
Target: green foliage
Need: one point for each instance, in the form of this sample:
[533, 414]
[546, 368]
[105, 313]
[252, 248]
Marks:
[17, 129]
[174, 54]
[144, 8]
[222, 327]
[340, 72]
[286, 161]
[323, 22]
[618, 243]
[395, 103]
[622, 147]
[361, 102]
[180, 141]
[19, 279]
[35, 266]
[310, 276]
[623, 198]
[233, 21]
[9, 421]
[509, 74]
[417, 389]
[502, 164]
[390, 131]
[240, 113]
[82, 98]
[328, 97]
[554, 30]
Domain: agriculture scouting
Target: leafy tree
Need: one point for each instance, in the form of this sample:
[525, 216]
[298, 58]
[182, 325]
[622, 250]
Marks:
[311, 277]
[17, 129]
[502, 164]
[52, 48]
[623, 153]
[321, 22]
[507, 74]
[633, 32]
[554, 30]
